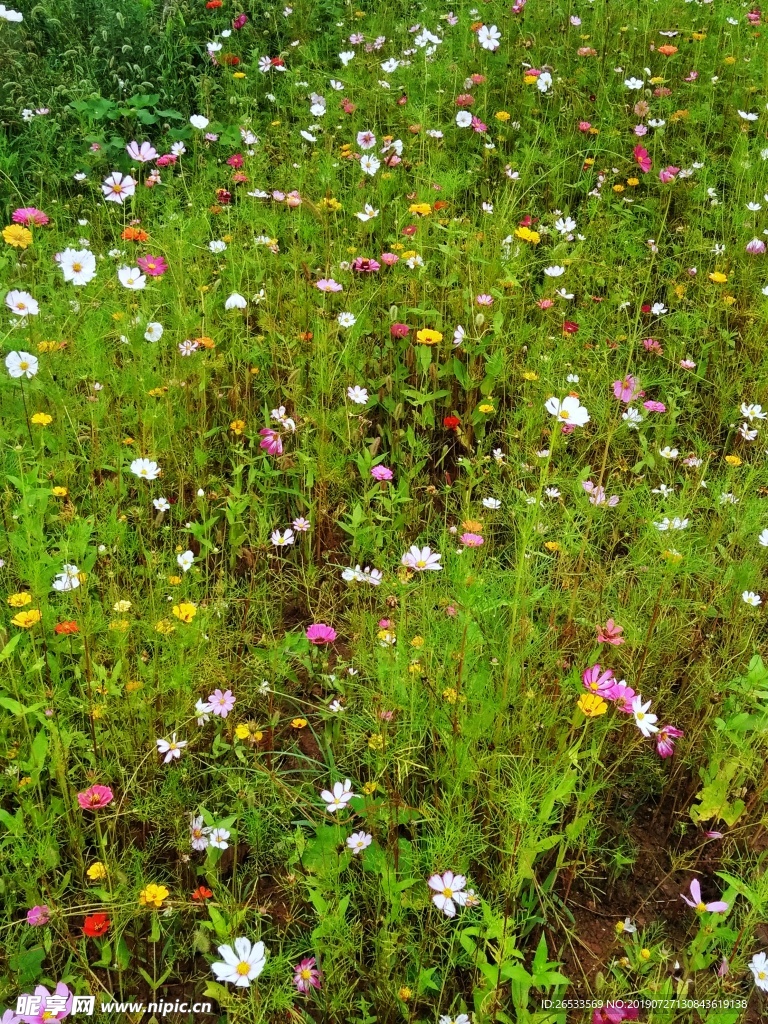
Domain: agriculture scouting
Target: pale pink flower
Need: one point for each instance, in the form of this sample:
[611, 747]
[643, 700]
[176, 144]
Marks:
[716, 907]
[221, 702]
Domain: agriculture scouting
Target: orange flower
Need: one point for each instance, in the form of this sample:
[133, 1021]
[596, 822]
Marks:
[134, 235]
[667, 49]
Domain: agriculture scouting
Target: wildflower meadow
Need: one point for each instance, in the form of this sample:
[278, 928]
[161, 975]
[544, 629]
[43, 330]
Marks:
[383, 425]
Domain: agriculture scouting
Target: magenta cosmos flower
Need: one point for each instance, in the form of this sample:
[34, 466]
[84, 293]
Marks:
[95, 798]
[365, 266]
[716, 907]
[271, 441]
[471, 540]
[381, 473]
[399, 330]
[667, 174]
[656, 406]
[627, 390]
[154, 266]
[613, 1014]
[597, 681]
[41, 1015]
[38, 915]
[665, 740]
[221, 702]
[307, 975]
[29, 216]
[318, 634]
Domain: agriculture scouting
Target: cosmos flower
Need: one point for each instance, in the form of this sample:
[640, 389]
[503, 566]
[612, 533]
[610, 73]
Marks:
[241, 963]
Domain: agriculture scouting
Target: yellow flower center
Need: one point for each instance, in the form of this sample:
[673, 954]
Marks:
[243, 968]
[421, 564]
[77, 267]
[701, 907]
[117, 188]
[448, 893]
[563, 414]
[306, 974]
[24, 365]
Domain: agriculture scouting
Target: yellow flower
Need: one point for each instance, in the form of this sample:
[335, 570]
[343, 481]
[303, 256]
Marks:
[485, 408]
[718, 278]
[59, 492]
[17, 236]
[165, 627]
[20, 599]
[472, 525]
[733, 460]
[329, 203]
[529, 79]
[96, 871]
[133, 685]
[502, 115]
[153, 895]
[423, 209]
[672, 556]
[592, 704]
[376, 742]
[633, 181]
[589, 161]
[405, 993]
[418, 641]
[528, 236]
[128, 440]
[426, 336]
[729, 299]
[186, 611]
[450, 695]
[552, 545]
[174, 580]
[237, 426]
[239, 74]
[121, 625]
[241, 731]
[122, 606]
[298, 723]
[645, 954]
[618, 188]
[41, 419]
[47, 346]
[530, 375]
[370, 787]
[157, 392]
[700, 37]
[27, 619]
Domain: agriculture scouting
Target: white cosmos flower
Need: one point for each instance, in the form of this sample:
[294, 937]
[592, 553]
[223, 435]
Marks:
[359, 841]
[751, 598]
[154, 332]
[240, 963]
[8, 15]
[747, 115]
[643, 720]
[21, 303]
[21, 364]
[463, 119]
[492, 503]
[172, 748]
[185, 560]
[554, 271]
[68, 579]
[421, 559]
[161, 504]
[759, 967]
[346, 56]
[565, 225]
[77, 265]
[389, 66]
[338, 798]
[284, 539]
[569, 410]
[369, 164]
[368, 213]
[357, 395]
[198, 121]
[145, 468]
[762, 540]
[131, 277]
[634, 83]
[489, 38]
[449, 891]
[236, 301]
[308, 136]
[544, 82]
[219, 837]
[346, 319]
[118, 187]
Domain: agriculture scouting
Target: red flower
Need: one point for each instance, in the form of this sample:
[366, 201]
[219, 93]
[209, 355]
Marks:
[223, 196]
[201, 893]
[527, 221]
[569, 327]
[66, 628]
[96, 925]
[229, 58]
[451, 422]
[277, 62]
[410, 230]
[213, 4]
[645, 308]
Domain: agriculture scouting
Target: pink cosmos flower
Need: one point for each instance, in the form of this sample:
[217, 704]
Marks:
[42, 1015]
[471, 540]
[365, 266]
[319, 634]
[640, 154]
[236, 160]
[612, 1014]
[716, 907]
[239, 22]
[610, 633]
[478, 126]
[597, 681]
[166, 160]
[627, 390]
[153, 266]
[272, 443]
[221, 702]
[399, 330]
[652, 406]
[38, 915]
[622, 695]
[306, 975]
[665, 740]
[141, 152]
[651, 345]
[381, 473]
[668, 174]
[95, 798]
[466, 99]
[687, 364]
[389, 259]
[484, 300]
[327, 284]
[29, 216]
[691, 76]
[640, 130]
[545, 303]
[584, 126]
[597, 495]
[756, 247]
